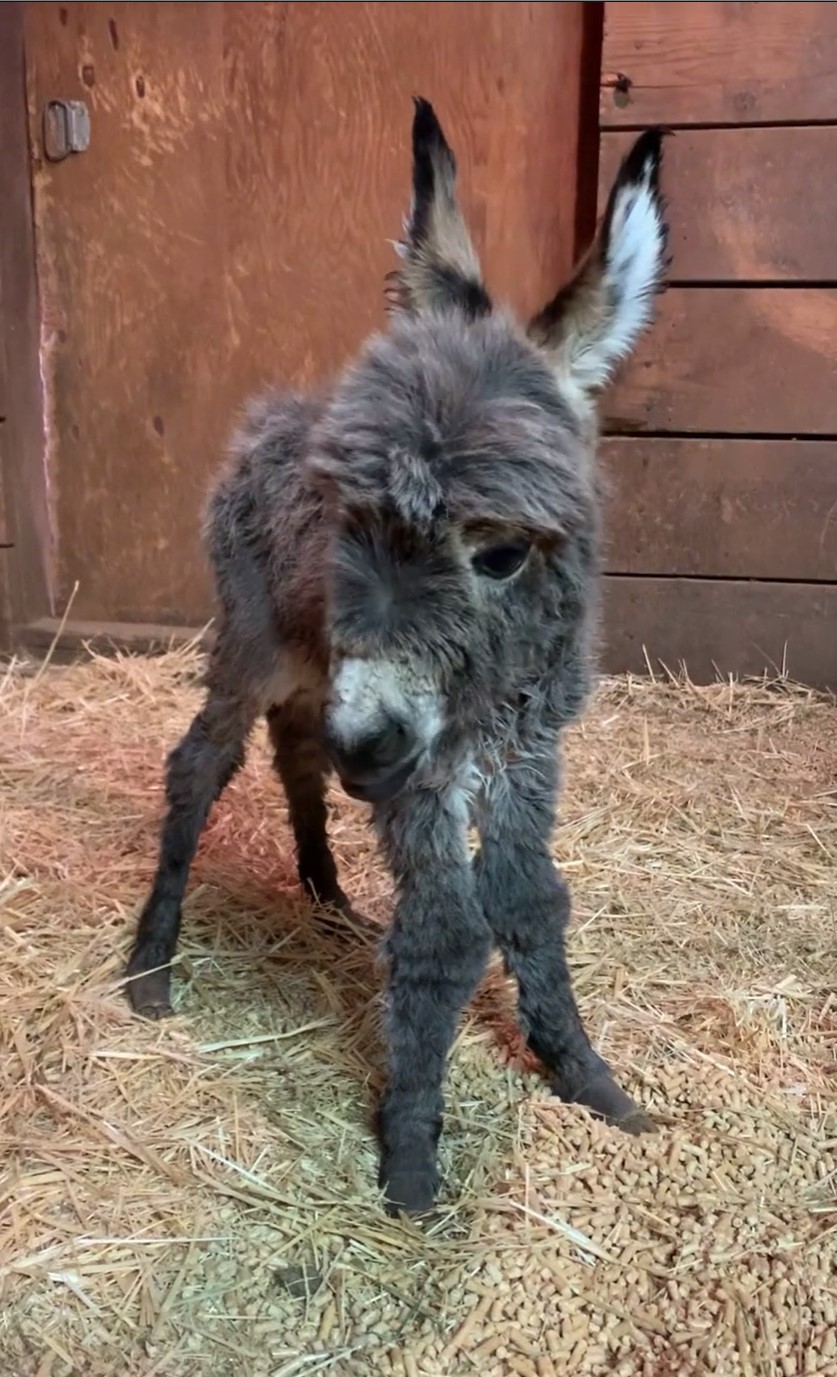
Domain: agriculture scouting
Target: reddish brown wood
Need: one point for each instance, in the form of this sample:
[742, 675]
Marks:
[763, 509]
[718, 63]
[588, 127]
[721, 626]
[228, 228]
[740, 202]
[66, 641]
[735, 360]
[24, 569]
[712, 625]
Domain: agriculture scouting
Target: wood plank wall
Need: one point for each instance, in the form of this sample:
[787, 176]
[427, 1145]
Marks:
[721, 448]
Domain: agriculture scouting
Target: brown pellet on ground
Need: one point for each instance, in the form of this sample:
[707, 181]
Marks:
[197, 1198]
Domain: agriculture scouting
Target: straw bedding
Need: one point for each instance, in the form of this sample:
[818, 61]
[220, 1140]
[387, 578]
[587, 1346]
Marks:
[197, 1197]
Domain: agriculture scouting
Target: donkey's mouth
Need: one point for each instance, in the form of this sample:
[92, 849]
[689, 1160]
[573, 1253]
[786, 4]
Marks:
[380, 788]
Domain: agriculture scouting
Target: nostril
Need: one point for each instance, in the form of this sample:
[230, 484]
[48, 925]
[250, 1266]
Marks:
[374, 754]
[396, 743]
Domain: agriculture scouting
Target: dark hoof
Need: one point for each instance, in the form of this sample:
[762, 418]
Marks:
[409, 1187]
[150, 995]
[327, 897]
[342, 903]
[337, 915]
[637, 1123]
[604, 1098]
[338, 903]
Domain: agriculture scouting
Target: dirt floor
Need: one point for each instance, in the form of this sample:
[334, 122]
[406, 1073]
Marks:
[198, 1197]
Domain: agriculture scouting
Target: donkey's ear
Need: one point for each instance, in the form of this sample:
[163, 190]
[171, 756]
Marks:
[440, 268]
[596, 319]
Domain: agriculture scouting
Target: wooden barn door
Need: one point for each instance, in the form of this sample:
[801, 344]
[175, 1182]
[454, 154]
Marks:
[228, 227]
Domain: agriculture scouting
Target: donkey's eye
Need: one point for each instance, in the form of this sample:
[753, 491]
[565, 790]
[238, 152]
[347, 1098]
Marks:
[501, 561]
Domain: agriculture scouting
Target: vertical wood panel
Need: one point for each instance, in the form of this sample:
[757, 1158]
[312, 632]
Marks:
[228, 228]
[24, 569]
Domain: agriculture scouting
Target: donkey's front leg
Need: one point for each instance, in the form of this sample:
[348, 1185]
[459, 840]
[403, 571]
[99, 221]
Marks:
[438, 949]
[527, 905]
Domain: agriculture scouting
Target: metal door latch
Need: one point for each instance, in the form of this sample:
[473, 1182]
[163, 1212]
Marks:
[66, 128]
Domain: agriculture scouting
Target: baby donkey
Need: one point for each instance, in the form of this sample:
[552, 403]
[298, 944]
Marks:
[406, 568]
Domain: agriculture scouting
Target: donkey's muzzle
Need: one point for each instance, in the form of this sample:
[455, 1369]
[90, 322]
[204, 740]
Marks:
[377, 767]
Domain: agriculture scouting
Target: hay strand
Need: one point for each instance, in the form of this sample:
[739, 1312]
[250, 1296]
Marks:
[197, 1197]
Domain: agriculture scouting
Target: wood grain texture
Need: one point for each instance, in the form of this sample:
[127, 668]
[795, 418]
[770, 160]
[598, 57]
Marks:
[228, 229]
[721, 627]
[734, 360]
[742, 204]
[760, 509]
[68, 640]
[713, 626]
[718, 63]
[25, 568]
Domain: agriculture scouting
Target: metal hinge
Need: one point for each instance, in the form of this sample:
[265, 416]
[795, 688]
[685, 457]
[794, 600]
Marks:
[66, 128]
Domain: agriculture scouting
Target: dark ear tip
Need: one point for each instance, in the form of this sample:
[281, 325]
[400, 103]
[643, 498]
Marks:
[650, 144]
[426, 126]
[644, 155]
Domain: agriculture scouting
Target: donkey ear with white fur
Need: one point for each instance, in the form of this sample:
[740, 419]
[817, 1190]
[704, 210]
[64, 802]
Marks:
[440, 269]
[594, 322]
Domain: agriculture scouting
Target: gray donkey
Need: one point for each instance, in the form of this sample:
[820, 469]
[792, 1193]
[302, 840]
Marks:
[406, 567]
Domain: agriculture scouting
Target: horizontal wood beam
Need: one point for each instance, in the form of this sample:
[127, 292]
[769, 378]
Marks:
[721, 627]
[74, 640]
[670, 63]
[751, 509]
[714, 626]
[735, 361]
[739, 203]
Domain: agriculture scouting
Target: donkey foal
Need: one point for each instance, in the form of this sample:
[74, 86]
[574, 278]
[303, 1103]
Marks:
[406, 569]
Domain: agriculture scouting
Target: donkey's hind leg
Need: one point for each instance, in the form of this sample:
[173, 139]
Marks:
[198, 771]
[303, 768]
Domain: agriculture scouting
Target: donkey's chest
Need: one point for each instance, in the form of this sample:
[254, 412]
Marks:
[499, 746]
[492, 762]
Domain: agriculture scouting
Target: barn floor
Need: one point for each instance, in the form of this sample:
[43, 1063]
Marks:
[198, 1197]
